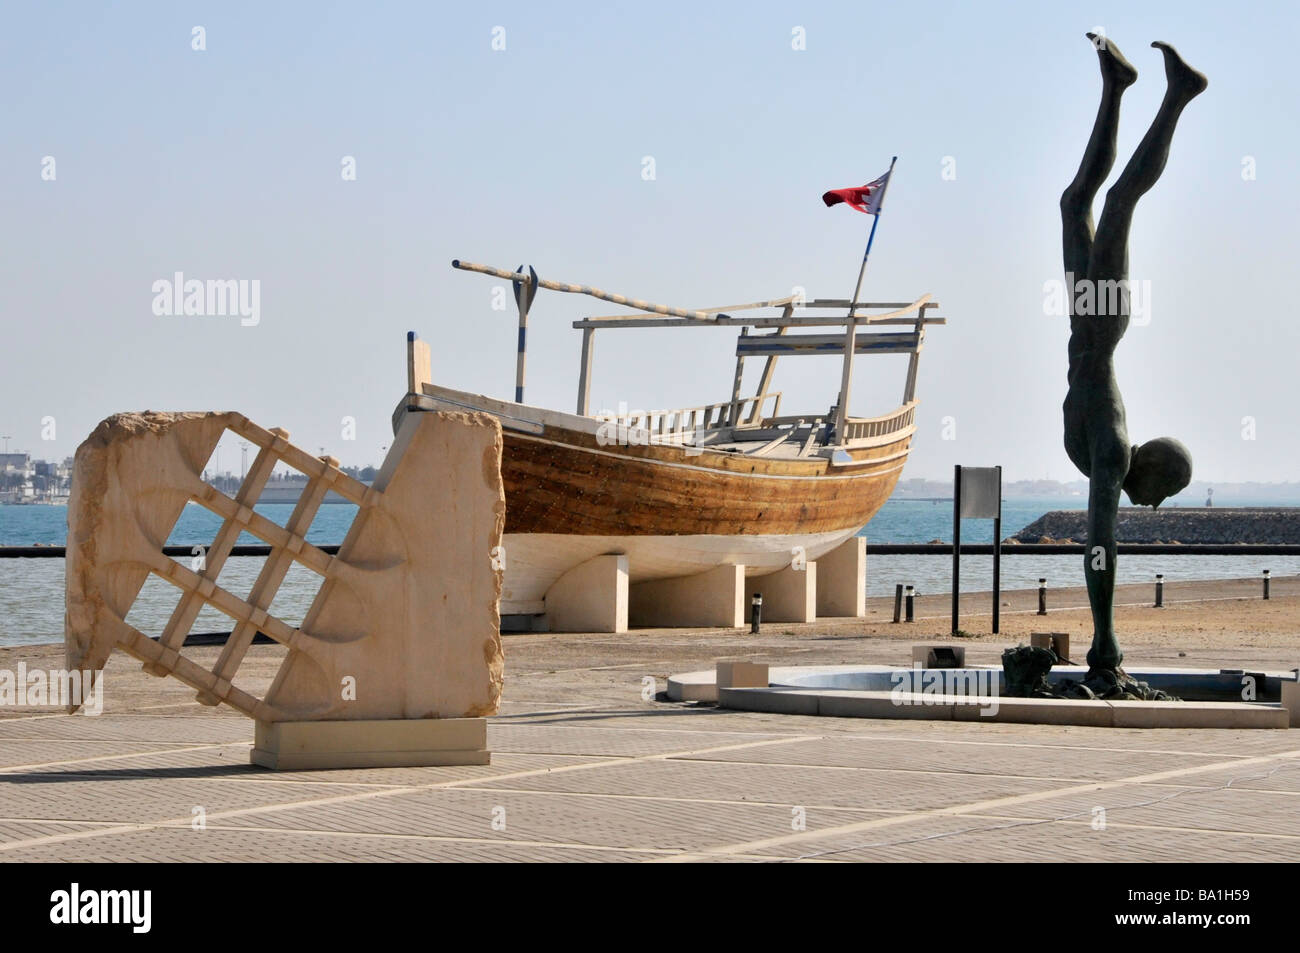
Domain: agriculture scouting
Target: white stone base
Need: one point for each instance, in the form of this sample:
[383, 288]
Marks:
[842, 580]
[396, 743]
[591, 597]
[714, 599]
[535, 561]
[789, 595]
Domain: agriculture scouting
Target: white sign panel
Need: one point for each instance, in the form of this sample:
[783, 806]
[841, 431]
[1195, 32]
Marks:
[981, 493]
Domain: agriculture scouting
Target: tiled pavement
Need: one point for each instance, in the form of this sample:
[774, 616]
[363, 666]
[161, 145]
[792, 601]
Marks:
[584, 769]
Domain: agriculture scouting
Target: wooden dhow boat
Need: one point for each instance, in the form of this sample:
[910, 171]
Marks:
[676, 494]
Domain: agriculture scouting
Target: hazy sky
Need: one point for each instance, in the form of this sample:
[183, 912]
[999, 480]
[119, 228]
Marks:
[228, 162]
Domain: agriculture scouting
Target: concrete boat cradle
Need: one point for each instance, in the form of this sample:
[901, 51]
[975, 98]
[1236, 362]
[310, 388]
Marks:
[399, 657]
[973, 693]
[659, 518]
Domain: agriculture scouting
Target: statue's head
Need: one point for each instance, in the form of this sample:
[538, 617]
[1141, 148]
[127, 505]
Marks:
[1157, 470]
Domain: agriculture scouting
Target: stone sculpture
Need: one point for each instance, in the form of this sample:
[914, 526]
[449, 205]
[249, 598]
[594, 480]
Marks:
[399, 656]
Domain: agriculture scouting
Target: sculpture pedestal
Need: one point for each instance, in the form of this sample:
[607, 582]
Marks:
[394, 743]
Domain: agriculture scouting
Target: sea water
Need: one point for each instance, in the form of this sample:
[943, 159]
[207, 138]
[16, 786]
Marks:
[31, 590]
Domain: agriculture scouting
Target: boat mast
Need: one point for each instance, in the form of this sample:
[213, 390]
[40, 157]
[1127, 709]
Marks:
[851, 324]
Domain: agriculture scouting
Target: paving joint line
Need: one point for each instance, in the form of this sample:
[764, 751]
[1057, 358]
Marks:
[357, 796]
[13, 769]
[975, 807]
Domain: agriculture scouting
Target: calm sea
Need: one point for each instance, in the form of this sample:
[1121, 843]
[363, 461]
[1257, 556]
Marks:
[31, 590]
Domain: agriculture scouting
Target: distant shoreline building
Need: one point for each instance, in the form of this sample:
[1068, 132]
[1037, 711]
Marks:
[24, 480]
[27, 481]
[286, 487]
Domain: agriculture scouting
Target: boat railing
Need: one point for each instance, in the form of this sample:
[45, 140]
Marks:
[690, 420]
[864, 428]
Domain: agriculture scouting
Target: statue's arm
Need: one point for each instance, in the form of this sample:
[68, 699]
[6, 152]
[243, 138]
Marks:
[1103, 514]
[1108, 451]
[1099, 563]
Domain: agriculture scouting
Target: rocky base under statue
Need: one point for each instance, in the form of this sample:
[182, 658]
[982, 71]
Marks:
[1026, 667]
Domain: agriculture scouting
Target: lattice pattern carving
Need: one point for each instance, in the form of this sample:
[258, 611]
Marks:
[407, 609]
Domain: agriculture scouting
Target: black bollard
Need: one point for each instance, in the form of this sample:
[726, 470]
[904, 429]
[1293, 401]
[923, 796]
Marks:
[898, 602]
[911, 595]
[1160, 591]
[1265, 583]
[1042, 597]
[755, 612]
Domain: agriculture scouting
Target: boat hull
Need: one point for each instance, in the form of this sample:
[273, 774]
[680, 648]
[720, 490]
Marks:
[566, 483]
[671, 511]
[572, 495]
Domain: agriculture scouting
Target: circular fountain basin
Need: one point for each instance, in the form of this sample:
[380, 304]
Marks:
[1210, 698]
[1188, 684]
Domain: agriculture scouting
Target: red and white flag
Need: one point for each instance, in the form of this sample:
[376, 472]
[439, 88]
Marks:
[864, 198]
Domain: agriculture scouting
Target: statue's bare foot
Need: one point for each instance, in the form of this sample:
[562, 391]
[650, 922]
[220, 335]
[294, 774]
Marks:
[1115, 70]
[1184, 81]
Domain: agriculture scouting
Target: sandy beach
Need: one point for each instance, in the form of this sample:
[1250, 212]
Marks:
[1202, 624]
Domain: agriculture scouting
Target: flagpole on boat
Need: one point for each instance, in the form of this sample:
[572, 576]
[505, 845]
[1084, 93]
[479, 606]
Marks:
[851, 326]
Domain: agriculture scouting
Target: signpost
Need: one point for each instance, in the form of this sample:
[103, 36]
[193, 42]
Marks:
[976, 494]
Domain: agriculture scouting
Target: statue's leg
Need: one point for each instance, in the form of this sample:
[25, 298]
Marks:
[1098, 158]
[1076, 210]
[1109, 258]
[1099, 561]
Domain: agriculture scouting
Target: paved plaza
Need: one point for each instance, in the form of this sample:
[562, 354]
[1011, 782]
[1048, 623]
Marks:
[585, 767]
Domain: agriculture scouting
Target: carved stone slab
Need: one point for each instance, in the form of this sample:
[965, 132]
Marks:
[405, 623]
